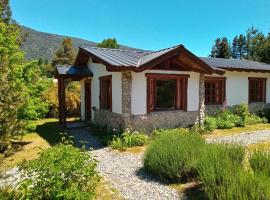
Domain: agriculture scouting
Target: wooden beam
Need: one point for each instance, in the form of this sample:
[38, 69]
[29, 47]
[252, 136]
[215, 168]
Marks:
[60, 100]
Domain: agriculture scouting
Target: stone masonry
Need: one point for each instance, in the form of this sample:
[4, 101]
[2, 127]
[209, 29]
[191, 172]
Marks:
[126, 98]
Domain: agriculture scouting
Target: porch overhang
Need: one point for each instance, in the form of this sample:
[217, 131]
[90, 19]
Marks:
[71, 73]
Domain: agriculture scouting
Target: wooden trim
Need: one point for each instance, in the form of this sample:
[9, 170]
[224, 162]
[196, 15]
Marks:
[223, 92]
[244, 69]
[181, 88]
[167, 76]
[88, 100]
[109, 77]
[263, 90]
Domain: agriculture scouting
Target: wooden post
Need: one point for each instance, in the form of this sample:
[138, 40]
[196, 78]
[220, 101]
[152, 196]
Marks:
[60, 101]
[64, 108]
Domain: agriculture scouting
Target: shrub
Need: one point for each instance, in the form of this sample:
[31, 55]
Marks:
[210, 124]
[227, 120]
[260, 162]
[240, 110]
[221, 171]
[173, 155]
[31, 126]
[253, 119]
[265, 113]
[62, 172]
[128, 139]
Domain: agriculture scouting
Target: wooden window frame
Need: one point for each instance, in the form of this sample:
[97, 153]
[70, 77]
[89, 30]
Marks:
[181, 87]
[223, 88]
[102, 78]
[263, 89]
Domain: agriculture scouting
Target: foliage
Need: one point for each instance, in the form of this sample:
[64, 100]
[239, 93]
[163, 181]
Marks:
[253, 45]
[173, 155]
[252, 119]
[221, 48]
[223, 176]
[128, 139]
[227, 120]
[5, 11]
[72, 99]
[260, 162]
[11, 90]
[265, 113]
[109, 43]
[210, 123]
[66, 54]
[61, 172]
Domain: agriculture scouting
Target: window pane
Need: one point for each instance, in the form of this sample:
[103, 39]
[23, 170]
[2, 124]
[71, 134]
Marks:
[165, 94]
[105, 94]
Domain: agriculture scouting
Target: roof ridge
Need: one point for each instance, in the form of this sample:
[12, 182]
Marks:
[179, 45]
[127, 50]
[236, 59]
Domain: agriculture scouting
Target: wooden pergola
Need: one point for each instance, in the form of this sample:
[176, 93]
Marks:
[64, 74]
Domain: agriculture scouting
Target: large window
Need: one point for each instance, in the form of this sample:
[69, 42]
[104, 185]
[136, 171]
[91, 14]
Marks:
[257, 89]
[105, 92]
[166, 92]
[215, 90]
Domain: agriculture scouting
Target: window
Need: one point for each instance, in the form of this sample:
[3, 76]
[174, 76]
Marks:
[105, 92]
[166, 92]
[257, 89]
[215, 90]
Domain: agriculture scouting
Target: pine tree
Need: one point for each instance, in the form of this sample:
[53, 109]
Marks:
[66, 54]
[221, 48]
[109, 43]
[242, 46]
[234, 47]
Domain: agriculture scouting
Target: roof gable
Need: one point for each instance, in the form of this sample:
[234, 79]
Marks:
[118, 59]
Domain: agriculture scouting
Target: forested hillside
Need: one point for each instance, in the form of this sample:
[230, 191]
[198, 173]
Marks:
[43, 45]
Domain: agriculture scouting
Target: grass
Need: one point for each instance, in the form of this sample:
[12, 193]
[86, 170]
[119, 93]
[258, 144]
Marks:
[105, 192]
[237, 130]
[45, 136]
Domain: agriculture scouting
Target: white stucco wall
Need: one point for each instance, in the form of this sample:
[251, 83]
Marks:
[99, 70]
[237, 86]
[139, 93]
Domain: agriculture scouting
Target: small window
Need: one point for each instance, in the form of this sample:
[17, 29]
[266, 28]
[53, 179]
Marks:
[257, 90]
[106, 92]
[166, 92]
[214, 90]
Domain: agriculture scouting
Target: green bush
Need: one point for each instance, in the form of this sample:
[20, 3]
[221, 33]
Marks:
[240, 110]
[62, 172]
[223, 176]
[31, 126]
[265, 113]
[253, 119]
[260, 162]
[227, 120]
[210, 124]
[173, 155]
[128, 139]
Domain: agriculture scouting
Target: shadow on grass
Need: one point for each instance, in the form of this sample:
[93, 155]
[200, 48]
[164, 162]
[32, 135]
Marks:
[50, 132]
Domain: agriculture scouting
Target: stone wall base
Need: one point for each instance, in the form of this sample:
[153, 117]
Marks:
[145, 123]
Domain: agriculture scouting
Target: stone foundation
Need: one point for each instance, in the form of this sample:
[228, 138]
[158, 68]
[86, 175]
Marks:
[108, 119]
[162, 119]
[145, 123]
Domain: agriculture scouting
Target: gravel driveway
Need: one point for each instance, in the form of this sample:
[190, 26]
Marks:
[243, 138]
[124, 171]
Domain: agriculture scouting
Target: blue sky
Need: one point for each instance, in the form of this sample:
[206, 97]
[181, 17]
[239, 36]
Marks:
[146, 24]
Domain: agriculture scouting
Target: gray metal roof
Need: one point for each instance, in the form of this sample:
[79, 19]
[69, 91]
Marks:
[231, 64]
[134, 58]
[73, 71]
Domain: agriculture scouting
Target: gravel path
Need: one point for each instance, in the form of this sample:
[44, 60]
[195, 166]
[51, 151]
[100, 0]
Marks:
[124, 172]
[243, 138]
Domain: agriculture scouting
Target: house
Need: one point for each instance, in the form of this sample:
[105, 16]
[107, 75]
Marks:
[146, 90]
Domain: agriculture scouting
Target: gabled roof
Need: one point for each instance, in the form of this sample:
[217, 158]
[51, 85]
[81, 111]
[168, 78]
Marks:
[237, 64]
[119, 59]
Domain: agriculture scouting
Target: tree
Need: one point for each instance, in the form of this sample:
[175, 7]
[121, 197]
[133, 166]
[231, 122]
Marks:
[11, 89]
[66, 54]
[5, 11]
[109, 43]
[242, 46]
[221, 48]
[234, 47]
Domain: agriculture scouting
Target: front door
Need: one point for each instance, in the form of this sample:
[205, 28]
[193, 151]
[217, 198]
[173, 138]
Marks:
[88, 109]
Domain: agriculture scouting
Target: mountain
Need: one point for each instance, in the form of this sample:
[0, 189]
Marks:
[38, 44]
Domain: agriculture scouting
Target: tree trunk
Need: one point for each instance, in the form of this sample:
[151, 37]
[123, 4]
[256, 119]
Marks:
[201, 111]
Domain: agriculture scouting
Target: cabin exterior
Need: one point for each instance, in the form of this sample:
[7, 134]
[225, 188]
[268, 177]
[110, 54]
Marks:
[145, 90]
